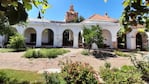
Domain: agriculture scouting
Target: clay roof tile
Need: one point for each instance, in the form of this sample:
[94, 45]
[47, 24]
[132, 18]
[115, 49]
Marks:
[102, 18]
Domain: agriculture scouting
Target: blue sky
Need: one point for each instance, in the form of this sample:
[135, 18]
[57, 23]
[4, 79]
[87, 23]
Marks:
[85, 8]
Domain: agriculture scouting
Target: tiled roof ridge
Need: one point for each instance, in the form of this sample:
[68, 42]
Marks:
[99, 17]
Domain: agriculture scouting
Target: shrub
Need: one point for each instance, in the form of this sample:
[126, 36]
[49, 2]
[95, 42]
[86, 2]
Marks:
[124, 75]
[3, 78]
[119, 53]
[31, 53]
[17, 42]
[85, 52]
[73, 73]
[54, 78]
[107, 65]
[44, 53]
[142, 66]
[79, 73]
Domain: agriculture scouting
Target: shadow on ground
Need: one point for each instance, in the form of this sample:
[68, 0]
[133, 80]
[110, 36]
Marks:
[102, 54]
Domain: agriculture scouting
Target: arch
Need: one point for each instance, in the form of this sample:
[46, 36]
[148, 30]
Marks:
[121, 40]
[47, 37]
[80, 43]
[138, 40]
[30, 36]
[107, 38]
[68, 38]
[142, 41]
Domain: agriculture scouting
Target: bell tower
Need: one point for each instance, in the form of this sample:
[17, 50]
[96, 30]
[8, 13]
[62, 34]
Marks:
[71, 15]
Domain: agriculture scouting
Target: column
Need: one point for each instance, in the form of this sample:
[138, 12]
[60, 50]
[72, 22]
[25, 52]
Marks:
[55, 39]
[114, 42]
[147, 33]
[58, 35]
[75, 40]
[38, 38]
[82, 36]
[148, 43]
[131, 42]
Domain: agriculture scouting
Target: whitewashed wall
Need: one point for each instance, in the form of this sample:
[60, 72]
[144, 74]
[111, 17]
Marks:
[59, 28]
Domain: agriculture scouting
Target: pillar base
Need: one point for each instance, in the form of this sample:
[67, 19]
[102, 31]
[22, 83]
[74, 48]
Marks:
[114, 44]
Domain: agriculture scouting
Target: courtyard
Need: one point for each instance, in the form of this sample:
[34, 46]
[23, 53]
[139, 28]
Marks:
[15, 60]
[88, 42]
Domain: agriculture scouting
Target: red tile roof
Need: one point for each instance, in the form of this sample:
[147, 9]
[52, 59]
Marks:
[102, 18]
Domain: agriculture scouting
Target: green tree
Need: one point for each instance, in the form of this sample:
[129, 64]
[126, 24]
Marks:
[4, 25]
[15, 11]
[135, 12]
[81, 18]
[78, 19]
[93, 35]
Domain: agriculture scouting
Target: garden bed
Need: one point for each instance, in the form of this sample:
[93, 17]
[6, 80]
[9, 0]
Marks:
[44, 53]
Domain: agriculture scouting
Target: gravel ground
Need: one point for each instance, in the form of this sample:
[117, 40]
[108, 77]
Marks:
[14, 60]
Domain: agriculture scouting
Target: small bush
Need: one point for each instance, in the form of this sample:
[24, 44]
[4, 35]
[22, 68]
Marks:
[73, 73]
[54, 78]
[85, 52]
[31, 53]
[17, 42]
[79, 73]
[124, 75]
[44, 53]
[119, 53]
[107, 65]
[3, 78]
[142, 66]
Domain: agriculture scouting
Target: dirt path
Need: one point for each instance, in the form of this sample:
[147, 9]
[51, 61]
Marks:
[14, 60]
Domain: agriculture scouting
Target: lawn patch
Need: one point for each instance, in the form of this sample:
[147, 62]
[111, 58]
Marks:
[22, 75]
[3, 50]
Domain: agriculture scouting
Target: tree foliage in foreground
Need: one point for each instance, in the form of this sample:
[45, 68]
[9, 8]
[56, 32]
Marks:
[15, 10]
[135, 12]
[93, 35]
[5, 28]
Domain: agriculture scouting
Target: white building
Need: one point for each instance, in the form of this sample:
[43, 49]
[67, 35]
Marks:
[46, 33]
[40, 32]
